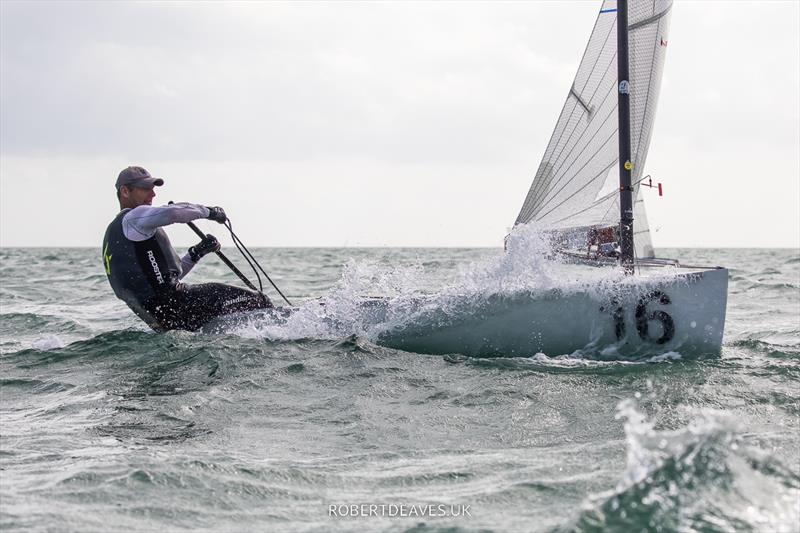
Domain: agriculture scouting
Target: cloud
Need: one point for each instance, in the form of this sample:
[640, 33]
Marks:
[353, 113]
[266, 81]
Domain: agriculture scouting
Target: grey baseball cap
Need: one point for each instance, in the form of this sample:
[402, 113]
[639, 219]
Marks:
[137, 177]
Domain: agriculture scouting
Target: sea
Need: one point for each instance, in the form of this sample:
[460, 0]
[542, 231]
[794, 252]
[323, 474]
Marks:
[303, 426]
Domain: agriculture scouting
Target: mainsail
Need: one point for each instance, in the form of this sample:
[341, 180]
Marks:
[577, 183]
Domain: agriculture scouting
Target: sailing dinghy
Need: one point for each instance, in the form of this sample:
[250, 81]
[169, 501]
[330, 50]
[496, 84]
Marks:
[586, 198]
[586, 195]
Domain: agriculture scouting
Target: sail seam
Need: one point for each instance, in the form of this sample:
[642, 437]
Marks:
[558, 161]
[541, 195]
[549, 196]
[533, 189]
[601, 173]
[610, 205]
[613, 134]
[541, 187]
[530, 204]
[602, 198]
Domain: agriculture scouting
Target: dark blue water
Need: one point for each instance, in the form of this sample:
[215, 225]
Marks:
[106, 426]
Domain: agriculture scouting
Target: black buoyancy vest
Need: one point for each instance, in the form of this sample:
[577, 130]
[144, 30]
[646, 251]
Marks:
[139, 270]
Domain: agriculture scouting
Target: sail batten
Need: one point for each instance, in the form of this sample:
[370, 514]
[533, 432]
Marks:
[583, 104]
[570, 187]
[583, 132]
[650, 20]
[602, 104]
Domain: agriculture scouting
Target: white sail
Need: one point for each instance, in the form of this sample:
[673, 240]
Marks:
[576, 183]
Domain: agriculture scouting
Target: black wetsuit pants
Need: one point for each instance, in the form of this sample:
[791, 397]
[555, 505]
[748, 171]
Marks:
[189, 307]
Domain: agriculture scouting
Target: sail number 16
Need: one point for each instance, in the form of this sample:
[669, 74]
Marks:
[643, 318]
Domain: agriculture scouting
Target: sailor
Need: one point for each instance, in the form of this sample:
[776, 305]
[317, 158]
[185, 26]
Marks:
[145, 271]
[602, 242]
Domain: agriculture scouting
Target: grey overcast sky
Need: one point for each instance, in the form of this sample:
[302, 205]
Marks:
[378, 124]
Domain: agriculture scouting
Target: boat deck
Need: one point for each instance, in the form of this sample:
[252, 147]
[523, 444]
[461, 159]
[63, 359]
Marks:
[641, 265]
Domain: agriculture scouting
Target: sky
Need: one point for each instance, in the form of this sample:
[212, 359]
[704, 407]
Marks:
[378, 124]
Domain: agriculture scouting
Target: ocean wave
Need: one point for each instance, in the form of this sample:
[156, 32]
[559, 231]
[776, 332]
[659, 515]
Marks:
[693, 479]
[34, 386]
[567, 364]
[774, 349]
[105, 345]
[11, 324]
[741, 284]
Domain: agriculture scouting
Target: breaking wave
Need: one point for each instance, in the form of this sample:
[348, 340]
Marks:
[701, 477]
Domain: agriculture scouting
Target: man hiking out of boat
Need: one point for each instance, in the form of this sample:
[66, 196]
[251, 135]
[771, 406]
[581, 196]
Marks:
[145, 271]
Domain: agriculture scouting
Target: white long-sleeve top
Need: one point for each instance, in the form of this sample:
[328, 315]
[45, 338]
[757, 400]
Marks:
[141, 223]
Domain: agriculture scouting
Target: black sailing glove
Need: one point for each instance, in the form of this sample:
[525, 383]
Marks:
[217, 214]
[206, 246]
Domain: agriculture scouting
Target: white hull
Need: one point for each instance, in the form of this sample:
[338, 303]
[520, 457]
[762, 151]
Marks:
[684, 312]
[661, 309]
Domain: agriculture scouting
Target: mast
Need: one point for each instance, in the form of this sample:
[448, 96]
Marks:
[625, 164]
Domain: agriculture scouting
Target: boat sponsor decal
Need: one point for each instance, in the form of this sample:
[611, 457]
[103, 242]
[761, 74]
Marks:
[237, 300]
[628, 165]
[624, 87]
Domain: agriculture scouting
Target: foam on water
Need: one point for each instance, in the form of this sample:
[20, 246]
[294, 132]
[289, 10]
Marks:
[702, 476]
[48, 342]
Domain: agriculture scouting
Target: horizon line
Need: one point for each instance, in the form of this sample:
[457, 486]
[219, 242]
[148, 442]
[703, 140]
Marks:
[449, 247]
